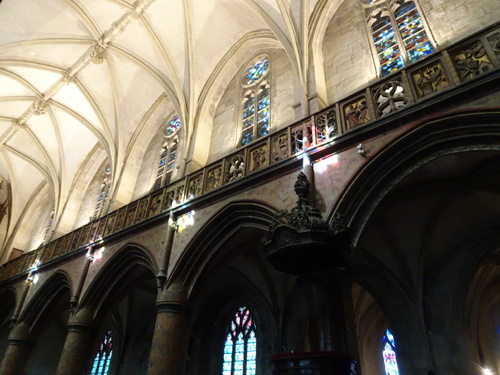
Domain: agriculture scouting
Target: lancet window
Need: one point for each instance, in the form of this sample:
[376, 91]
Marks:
[240, 347]
[256, 102]
[168, 153]
[103, 193]
[398, 33]
[102, 360]
[389, 354]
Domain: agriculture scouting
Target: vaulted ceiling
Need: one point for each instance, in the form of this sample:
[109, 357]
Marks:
[82, 81]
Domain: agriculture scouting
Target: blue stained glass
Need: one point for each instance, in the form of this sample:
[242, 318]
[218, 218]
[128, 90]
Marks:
[247, 123]
[264, 114]
[384, 38]
[102, 359]
[389, 355]
[411, 29]
[247, 136]
[391, 61]
[173, 125]
[263, 103]
[256, 71]
[251, 354]
[263, 128]
[240, 347]
[248, 112]
[406, 7]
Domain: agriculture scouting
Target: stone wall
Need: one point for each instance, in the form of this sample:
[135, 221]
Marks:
[347, 53]
[227, 127]
[452, 20]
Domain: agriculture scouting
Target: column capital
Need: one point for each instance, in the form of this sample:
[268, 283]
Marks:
[171, 306]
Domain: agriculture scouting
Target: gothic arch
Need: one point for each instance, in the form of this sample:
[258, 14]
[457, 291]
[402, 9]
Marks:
[130, 264]
[225, 268]
[47, 298]
[253, 216]
[455, 273]
[431, 139]
[410, 246]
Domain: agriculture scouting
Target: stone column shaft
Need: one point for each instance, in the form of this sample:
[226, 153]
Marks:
[14, 359]
[168, 351]
[76, 350]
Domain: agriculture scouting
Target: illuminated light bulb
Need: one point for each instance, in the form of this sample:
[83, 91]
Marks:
[487, 371]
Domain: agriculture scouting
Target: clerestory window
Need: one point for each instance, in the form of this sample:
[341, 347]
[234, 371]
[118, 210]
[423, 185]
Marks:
[168, 153]
[240, 347]
[103, 193]
[398, 33]
[256, 102]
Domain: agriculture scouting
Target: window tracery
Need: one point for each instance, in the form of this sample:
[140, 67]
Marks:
[398, 33]
[256, 101]
[168, 153]
[240, 347]
[389, 354]
[102, 360]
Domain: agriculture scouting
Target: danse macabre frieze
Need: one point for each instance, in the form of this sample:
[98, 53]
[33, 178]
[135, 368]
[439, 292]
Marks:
[430, 78]
[356, 112]
[471, 61]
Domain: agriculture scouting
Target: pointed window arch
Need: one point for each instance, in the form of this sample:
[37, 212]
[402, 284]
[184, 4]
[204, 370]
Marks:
[398, 33]
[168, 153]
[389, 354]
[102, 360]
[256, 102]
[240, 347]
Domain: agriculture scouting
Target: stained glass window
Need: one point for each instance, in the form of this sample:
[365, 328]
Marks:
[240, 347]
[256, 102]
[412, 31]
[103, 193]
[400, 45]
[168, 153]
[389, 354]
[102, 360]
[256, 71]
[386, 45]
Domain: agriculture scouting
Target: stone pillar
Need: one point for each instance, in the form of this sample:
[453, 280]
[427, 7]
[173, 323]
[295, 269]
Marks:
[79, 340]
[168, 349]
[17, 352]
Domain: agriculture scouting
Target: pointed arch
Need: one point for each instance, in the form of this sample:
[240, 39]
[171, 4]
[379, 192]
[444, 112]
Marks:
[255, 216]
[52, 294]
[130, 263]
[458, 132]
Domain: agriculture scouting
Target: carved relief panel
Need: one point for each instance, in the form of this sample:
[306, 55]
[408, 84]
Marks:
[195, 186]
[430, 79]
[279, 147]
[214, 178]
[258, 157]
[356, 112]
[471, 60]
